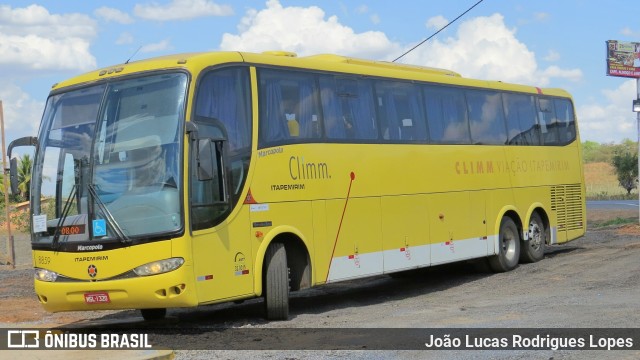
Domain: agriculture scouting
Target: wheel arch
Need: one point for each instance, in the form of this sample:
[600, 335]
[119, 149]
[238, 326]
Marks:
[298, 258]
[511, 212]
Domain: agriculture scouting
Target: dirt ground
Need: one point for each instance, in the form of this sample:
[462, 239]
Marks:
[592, 282]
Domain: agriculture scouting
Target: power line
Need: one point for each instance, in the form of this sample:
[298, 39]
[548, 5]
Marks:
[437, 32]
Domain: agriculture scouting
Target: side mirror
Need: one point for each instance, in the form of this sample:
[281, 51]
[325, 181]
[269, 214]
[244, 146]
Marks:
[13, 170]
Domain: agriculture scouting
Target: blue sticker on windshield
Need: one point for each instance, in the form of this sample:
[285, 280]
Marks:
[99, 227]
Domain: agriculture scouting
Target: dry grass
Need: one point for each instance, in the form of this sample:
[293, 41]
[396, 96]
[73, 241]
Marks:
[601, 182]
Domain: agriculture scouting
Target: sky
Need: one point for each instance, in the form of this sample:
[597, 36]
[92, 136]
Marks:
[544, 43]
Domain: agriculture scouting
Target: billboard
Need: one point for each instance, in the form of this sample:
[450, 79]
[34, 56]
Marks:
[623, 58]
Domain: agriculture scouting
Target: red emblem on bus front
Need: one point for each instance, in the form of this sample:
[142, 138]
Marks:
[92, 270]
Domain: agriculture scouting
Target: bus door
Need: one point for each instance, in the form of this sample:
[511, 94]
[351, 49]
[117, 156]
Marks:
[221, 248]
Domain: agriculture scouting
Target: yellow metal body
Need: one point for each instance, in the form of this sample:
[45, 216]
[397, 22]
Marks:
[359, 209]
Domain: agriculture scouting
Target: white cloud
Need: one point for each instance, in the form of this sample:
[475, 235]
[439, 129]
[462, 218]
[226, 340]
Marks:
[436, 22]
[34, 52]
[362, 9]
[21, 113]
[485, 48]
[155, 47]
[181, 10]
[375, 19]
[627, 31]
[553, 71]
[552, 56]
[610, 119]
[110, 14]
[36, 20]
[541, 16]
[305, 31]
[124, 38]
[31, 38]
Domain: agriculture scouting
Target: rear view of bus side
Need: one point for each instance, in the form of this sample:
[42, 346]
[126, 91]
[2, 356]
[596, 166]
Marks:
[279, 173]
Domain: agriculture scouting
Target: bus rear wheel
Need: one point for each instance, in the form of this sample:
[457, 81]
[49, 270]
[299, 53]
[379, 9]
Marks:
[533, 249]
[508, 247]
[276, 283]
[153, 314]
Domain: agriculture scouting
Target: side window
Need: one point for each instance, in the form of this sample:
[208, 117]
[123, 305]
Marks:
[486, 117]
[548, 122]
[348, 108]
[446, 115]
[566, 121]
[289, 109]
[400, 110]
[223, 98]
[522, 125]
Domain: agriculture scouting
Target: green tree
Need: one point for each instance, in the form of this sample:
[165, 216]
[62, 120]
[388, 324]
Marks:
[590, 151]
[626, 167]
[25, 164]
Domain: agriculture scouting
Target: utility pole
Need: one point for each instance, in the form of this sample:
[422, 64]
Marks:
[638, 114]
[11, 255]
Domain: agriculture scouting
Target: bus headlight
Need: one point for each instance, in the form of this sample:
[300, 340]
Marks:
[45, 275]
[159, 267]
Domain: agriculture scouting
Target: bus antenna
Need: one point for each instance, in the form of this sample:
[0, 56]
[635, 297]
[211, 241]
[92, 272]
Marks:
[134, 54]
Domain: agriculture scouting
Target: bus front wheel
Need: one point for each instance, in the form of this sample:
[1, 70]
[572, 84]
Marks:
[533, 249]
[508, 247]
[276, 283]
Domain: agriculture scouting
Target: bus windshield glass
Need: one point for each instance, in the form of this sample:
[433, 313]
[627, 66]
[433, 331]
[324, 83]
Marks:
[109, 162]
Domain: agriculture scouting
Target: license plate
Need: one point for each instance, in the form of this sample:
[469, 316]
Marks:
[97, 298]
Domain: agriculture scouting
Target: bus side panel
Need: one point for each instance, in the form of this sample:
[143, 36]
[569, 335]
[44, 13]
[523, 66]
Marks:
[323, 243]
[357, 238]
[405, 232]
[458, 226]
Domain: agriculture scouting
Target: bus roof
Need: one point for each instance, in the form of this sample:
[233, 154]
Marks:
[196, 62]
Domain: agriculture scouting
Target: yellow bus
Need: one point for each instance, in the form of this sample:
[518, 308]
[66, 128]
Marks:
[210, 177]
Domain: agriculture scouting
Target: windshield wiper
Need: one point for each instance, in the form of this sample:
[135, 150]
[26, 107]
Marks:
[108, 216]
[63, 217]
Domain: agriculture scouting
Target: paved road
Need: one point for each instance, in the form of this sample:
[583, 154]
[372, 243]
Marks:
[612, 204]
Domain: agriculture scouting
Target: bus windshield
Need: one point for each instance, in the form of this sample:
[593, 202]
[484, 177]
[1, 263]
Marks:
[108, 162]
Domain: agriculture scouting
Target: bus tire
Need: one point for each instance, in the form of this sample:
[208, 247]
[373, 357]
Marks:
[508, 247]
[533, 250]
[276, 283]
[153, 314]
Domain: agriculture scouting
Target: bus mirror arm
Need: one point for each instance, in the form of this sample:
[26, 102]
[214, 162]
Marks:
[13, 175]
[192, 130]
[13, 162]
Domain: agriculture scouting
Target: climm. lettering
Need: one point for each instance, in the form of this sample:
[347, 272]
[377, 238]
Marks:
[474, 167]
[300, 170]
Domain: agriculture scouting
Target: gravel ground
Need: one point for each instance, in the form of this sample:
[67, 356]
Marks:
[593, 282]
